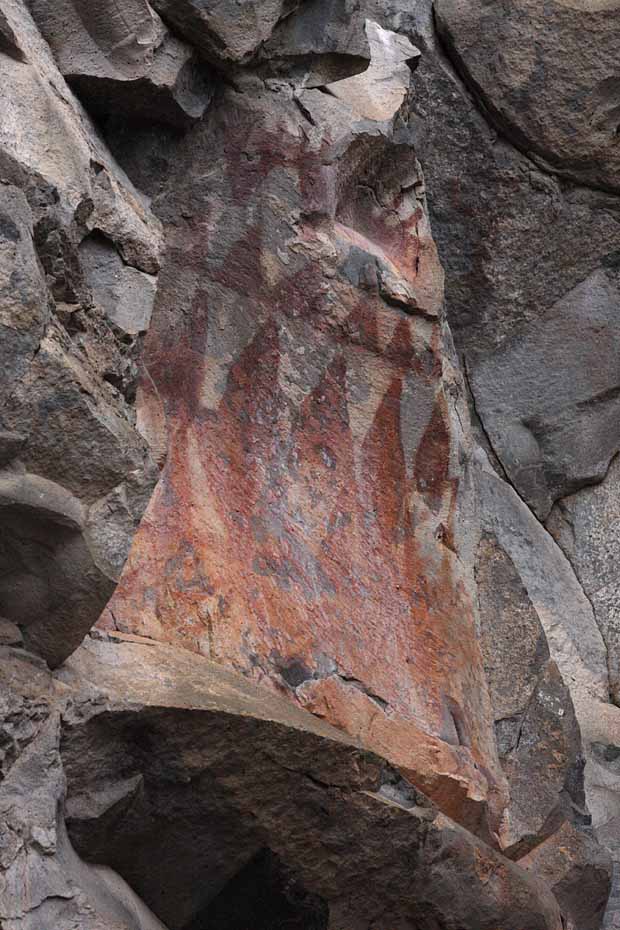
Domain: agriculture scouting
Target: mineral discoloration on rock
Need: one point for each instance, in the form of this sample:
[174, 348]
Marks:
[319, 415]
[354, 711]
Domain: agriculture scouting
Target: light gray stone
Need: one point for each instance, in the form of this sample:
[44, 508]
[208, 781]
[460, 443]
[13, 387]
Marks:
[125, 294]
[121, 57]
[587, 527]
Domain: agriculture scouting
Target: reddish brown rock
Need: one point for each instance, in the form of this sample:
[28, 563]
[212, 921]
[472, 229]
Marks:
[307, 527]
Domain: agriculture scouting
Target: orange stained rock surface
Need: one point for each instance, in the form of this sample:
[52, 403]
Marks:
[303, 530]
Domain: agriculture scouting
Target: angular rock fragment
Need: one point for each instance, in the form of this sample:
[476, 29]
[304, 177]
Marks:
[124, 293]
[260, 779]
[322, 42]
[24, 301]
[550, 397]
[586, 526]
[54, 581]
[531, 273]
[577, 869]
[49, 148]
[70, 456]
[44, 883]
[538, 737]
[9, 44]
[382, 88]
[225, 31]
[120, 57]
[548, 587]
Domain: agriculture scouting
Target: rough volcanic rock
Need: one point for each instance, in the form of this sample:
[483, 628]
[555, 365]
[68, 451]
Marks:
[574, 639]
[43, 882]
[547, 780]
[538, 738]
[550, 406]
[299, 355]
[125, 294]
[99, 46]
[526, 256]
[24, 301]
[577, 869]
[316, 524]
[586, 526]
[49, 148]
[531, 261]
[324, 41]
[71, 459]
[252, 772]
[548, 76]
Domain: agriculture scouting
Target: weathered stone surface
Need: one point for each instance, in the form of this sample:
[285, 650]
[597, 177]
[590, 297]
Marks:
[47, 143]
[530, 258]
[226, 31]
[324, 41]
[9, 44]
[548, 586]
[55, 579]
[548, 76]
[578, 870]
[383, 87]
[537, 735]
[550, 402]
[300, 357]
[315, 527]
[68, 441]
[122, 57]
[575, 642]
[586, 526]
[24, 302]
[526, 257]
[125, 294]
[270, 776]
[43, 882]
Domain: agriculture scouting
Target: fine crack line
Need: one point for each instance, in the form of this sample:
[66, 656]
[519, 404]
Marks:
[542, 524]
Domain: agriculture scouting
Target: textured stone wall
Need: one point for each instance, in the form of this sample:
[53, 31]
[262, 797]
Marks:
[337, 537]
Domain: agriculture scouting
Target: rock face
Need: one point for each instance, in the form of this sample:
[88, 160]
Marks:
[98, 47]
[349, 586]
[256, 776]
[527, 228]
[75, 473]
[323, 418]
[548, 74]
